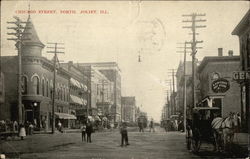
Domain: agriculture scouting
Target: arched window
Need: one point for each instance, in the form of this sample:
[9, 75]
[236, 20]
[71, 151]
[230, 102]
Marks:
[43, 87]
[47, 89]
[51, 89]
[64, 94]
[24, 85]
[35, 85]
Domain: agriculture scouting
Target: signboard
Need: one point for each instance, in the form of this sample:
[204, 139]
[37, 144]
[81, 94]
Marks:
[220, 85]
[241, 75]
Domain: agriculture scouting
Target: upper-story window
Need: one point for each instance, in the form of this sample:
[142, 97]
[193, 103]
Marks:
[43, 87]
[35, 85]
[24, 85]
[47, 88]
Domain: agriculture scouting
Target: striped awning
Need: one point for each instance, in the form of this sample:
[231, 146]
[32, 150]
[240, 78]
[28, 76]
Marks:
[75, 83]
[75, 99]
[65, 116]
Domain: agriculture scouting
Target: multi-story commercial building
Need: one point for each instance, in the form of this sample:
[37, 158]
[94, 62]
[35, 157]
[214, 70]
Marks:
[180, 85]
[128, 109]
[37, 84]
[113, 73]
[217, 88]
[78, 92]
[3, 112]
[101, 91]
[242, 30]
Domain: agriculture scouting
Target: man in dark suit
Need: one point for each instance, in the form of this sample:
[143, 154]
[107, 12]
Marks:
[89, 130]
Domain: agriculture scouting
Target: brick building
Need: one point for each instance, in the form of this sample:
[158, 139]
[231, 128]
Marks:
[217, 88]
[3, 108]
[37, 84]
[78, 92]
[242, 30]
[180, 84]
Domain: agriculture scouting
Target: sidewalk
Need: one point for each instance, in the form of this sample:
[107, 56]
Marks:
[241, 144]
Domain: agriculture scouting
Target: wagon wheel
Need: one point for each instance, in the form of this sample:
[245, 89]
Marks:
[196, 140]
[188, 139]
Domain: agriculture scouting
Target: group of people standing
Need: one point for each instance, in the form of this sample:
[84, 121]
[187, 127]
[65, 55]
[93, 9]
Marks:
[87, 129]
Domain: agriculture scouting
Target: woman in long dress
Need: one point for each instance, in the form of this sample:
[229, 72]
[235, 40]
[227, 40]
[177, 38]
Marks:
[22, 132]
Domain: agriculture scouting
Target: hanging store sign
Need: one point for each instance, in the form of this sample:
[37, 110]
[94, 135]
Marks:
[220, 85]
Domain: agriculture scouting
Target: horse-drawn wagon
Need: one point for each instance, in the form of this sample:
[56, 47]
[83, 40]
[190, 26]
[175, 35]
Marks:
[199, 127]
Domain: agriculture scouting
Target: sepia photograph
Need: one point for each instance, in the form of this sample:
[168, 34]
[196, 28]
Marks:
[139, 79]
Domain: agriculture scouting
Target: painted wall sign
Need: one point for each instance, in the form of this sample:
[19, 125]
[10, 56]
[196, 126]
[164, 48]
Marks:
[241, 75]
[220, 85]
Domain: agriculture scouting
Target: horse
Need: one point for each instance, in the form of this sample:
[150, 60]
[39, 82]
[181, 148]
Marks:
[223, 131]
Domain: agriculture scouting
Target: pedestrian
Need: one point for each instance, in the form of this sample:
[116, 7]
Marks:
[151, 126]
[124, 134]
[15, 126]
[83, 130]
[89, 130]
[59, 126]
[22, 132]
[31, 128]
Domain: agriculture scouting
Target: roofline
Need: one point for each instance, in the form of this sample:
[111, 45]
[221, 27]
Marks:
[207, 59]
[100, 64]
[244, 23]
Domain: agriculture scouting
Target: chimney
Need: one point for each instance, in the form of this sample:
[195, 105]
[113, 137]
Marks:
[230, 53]
[220, 51]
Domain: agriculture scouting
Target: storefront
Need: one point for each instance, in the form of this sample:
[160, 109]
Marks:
[242, 30]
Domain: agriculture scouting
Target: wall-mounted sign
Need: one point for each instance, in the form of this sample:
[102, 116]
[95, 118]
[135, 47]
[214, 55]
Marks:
[241, 75]
[220, 85]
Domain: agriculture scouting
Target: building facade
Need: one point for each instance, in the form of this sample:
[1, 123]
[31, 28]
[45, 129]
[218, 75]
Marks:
[128, 109]
[242, 30]
[217, 88]
[37, 84]
[180, 84]
[78, 92]
[113, 73]
[3, 114]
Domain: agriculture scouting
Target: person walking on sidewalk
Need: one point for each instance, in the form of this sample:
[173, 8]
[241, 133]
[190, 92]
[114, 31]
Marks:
[83, 130]
[124, 134]
[89, 130]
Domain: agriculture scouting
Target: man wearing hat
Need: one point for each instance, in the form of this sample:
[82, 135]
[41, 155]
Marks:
[124, 134]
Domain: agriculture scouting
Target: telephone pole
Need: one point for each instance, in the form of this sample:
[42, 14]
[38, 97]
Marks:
[194, 42]
[170, 100]
[173, 93]
[55, 60]
[184, 86]
[18, 28]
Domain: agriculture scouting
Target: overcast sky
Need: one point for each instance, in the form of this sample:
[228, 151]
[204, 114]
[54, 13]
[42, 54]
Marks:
[149, 28]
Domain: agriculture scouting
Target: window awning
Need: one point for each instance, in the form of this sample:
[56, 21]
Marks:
[65, 116]
[75, 83]
[75, 99]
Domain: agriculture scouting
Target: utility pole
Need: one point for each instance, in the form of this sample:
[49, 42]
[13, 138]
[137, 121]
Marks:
[170, 100]
[55, 60]
[103, 98]
[184, 86]
[193, 27]
[173, 93]
[18, 28]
